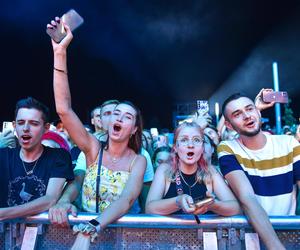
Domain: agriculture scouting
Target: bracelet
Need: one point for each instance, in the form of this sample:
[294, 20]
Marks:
[177, 202]
[86, 229]
[60, 70]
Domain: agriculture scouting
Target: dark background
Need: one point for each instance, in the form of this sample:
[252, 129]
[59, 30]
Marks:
[154, 53]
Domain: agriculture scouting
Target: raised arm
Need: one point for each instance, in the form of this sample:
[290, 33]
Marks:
[85, 141]
[259, 103]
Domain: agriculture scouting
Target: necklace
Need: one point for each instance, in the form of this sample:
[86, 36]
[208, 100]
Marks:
[114, 160]
[189, 186]
[30, 171]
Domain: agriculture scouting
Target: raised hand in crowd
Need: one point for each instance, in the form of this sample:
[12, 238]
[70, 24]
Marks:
[7, 139]
[259, 103]
[202, 119]
[119, 163]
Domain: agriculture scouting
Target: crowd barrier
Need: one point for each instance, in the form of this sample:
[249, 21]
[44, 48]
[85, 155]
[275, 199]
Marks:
[149, 232]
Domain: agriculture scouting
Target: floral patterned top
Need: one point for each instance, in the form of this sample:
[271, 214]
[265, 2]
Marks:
[112, 184]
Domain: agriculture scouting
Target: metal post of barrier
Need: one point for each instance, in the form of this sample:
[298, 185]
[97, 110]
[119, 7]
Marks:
[277, 105]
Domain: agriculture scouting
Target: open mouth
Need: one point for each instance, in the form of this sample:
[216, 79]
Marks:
[250, 124]
[26, 138]
[117, 127]
[190, 154]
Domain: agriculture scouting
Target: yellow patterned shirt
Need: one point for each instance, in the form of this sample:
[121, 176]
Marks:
[112, 184]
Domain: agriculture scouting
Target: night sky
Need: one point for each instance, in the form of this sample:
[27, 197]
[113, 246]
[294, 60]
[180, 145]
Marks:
[154, 53]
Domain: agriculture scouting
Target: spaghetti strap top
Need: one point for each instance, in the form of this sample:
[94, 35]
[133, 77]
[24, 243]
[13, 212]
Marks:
[131, 164]
[111, 186]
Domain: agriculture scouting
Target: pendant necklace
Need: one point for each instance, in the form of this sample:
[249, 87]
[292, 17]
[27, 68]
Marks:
[114, 160]
[189, 186]
[30, 171]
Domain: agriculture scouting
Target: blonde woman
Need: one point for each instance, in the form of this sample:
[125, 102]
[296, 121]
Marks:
[176, 185]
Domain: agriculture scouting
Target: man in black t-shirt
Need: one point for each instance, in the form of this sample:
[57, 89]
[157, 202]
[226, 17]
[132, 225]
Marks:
[31, 176]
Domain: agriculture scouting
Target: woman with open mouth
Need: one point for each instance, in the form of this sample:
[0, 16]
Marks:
[115, 171]
[189, 184]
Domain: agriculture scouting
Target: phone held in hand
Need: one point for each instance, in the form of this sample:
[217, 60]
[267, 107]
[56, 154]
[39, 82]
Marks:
[72, 19]
[7, 126]
[199, 202]
[276, 96]
[154, 133]
[202, 107]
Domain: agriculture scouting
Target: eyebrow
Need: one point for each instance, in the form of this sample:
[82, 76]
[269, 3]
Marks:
[22, 120]
[195, 136]
[238, 110]
[125, 112]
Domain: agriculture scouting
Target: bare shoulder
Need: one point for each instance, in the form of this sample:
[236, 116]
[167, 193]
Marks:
[139, 162]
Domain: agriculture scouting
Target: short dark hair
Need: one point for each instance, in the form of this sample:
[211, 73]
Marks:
[31, 103]
[232, 97]
[93, 111]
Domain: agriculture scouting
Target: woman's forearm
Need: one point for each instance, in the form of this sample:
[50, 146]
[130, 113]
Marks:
[225, 208]
[162, 207]
[60, 83]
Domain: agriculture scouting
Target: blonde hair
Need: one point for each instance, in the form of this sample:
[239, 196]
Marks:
[203, 173]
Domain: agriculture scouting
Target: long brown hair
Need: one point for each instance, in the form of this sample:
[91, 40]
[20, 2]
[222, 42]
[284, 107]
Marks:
[203, 173]
[135, 141]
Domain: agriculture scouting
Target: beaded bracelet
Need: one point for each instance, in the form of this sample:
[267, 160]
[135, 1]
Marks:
[86, 229]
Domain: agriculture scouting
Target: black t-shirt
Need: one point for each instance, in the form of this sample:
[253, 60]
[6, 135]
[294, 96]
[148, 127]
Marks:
[17, 187]
[75, 151]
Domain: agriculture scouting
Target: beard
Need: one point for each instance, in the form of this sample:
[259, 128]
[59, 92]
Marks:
[248, 133]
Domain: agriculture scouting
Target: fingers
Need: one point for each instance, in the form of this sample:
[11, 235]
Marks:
[58, 215]
[74, 211]
[187, 204]
[7, 132]
[54, 23]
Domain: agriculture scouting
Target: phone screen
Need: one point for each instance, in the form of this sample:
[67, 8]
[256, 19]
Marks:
[72, 19]
[154, 132]
[7, 126]
[202, 106]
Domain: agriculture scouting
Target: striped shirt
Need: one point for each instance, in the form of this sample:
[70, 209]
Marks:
[272, 170]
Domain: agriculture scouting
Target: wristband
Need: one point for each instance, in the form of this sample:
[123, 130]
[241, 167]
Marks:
[60, 70]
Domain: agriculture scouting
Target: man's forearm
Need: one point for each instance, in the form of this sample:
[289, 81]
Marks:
[261, 223]
[33, 207]
[72, 189]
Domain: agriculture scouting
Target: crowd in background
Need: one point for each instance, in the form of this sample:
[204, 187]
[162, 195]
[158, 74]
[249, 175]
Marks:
[118, 167]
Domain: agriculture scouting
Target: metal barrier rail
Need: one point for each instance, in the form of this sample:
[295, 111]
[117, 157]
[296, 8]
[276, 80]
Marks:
[174, 221]
[145, 231]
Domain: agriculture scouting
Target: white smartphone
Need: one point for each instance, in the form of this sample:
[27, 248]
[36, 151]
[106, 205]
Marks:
[72, 19]
[202, 107]
[7, 126]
